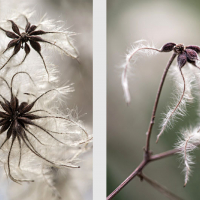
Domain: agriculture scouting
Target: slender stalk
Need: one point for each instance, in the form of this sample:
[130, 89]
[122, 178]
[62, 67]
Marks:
[128, 61]
[159, 187]
[167, 120]
[164, 154]
[156, 103]
[128, 179]
[124, 74]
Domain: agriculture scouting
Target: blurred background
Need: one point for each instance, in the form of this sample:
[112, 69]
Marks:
[159, 22]
[77, 17]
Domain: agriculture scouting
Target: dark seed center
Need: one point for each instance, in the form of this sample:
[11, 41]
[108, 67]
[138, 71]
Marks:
[179, 48]
[24, 37]
[15, 115]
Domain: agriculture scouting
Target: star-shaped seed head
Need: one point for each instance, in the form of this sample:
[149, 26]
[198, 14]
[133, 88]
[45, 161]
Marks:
[30, 36]
[17, 120]
[185, 53]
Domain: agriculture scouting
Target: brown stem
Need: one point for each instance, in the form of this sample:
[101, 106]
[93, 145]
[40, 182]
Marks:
[148, 157]
[140, 168]
[156, 103]
[128, 179]
[164, 154]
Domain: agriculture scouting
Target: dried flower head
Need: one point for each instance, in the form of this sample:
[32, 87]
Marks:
[19, 120]
[32, 35]
[185, 54]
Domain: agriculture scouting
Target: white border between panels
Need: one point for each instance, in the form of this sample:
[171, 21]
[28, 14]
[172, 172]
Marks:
[99, 99]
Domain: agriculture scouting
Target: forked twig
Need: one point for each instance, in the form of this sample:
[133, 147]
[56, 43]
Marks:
[147, 156]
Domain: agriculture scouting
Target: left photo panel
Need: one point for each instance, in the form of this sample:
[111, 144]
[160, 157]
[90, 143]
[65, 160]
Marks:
[46, 98]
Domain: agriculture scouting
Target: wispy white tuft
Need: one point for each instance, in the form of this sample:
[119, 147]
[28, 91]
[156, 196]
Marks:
[139, 48]
[177, 109]
[188, 142]
[62, 37]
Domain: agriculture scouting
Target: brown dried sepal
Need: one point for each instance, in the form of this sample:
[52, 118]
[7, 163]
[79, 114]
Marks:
[195, 48]
[168, 47]
[191, 55]
[182, 59]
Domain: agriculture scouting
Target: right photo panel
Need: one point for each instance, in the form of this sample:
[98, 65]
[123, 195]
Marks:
[153, 100]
